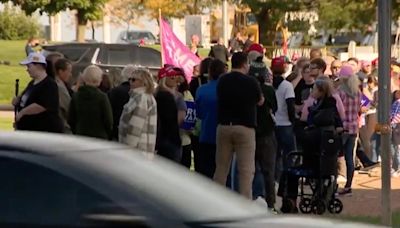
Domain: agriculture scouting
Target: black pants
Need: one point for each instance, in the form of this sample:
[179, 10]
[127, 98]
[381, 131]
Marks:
[195, 148]
[169, 150]
[266, 149]
[186, 156]
[206, 159]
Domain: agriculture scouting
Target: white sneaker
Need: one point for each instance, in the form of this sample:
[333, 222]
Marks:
[261, 201]
[396, 174]
[341, 179]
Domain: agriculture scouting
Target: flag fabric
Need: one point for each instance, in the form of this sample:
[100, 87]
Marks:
[365, 101]
[174, 52]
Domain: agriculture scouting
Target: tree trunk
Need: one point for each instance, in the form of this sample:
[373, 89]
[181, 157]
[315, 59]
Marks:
[81, 28]
[266, 28]
[93, 31]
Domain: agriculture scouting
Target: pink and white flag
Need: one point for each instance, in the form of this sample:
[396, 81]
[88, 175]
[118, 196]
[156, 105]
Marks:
[174, 52]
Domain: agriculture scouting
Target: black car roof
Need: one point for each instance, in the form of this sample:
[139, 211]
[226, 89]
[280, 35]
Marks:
[114, 45]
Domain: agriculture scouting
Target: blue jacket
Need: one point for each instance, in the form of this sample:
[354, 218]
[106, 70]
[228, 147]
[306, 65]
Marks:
[206, 109]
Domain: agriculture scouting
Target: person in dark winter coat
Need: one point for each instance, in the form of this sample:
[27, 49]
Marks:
[219, 51]
[119, 96]
[90, 110]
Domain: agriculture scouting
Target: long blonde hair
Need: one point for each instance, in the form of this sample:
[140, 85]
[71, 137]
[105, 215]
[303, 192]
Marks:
[147, 78]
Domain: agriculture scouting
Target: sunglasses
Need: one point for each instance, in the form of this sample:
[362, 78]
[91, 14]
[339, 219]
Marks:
[336, 67]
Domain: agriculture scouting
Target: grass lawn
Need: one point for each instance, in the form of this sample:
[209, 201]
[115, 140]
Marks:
[12, 51]
[6, 123]
[369, 219]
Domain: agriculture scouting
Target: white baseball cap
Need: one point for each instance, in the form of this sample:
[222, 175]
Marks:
[34, 58]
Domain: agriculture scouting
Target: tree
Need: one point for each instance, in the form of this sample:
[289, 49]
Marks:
[15, 25]
[86, 10]
[125, 11]
[345, 14]
[173, 8]
[270, 15]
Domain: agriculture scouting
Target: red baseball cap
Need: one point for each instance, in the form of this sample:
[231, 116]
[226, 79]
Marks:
[256, 47]
[375, 62]
[169, 71]
[278, 63]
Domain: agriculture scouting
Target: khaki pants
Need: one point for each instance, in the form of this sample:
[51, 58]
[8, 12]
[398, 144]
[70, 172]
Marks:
[240, 140]
[366, 133]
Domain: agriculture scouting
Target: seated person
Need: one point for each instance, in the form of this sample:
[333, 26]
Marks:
[323, 115]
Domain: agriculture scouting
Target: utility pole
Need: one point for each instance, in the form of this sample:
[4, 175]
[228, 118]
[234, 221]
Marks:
[384, 48]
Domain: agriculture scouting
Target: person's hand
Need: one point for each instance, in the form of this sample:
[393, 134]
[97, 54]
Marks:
[15, 100]
[364, 109]
[261, 101]
[339, 129]
[19, 116]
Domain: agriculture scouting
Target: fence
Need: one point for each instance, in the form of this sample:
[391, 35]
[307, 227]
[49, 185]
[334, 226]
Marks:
[304, 51]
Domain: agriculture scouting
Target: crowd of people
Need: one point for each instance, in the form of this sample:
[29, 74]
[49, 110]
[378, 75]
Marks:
[249, 117]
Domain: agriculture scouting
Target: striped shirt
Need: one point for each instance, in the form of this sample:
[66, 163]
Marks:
[395, 113]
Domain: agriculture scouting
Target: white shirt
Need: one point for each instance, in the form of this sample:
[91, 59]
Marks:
[284, 91]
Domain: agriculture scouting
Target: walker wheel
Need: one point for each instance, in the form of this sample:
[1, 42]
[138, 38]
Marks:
[335, 206]
[318, 207]
[305, 206]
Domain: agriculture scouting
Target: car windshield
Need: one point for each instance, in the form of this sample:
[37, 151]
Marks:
[139, 35]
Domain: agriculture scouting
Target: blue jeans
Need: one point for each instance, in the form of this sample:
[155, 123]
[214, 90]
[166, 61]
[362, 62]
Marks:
[376, 147]
[258, 183]
[349, 141]
[395, 157]
[286, 144]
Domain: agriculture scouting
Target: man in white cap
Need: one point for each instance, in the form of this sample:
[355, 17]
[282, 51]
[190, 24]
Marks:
[38, 105]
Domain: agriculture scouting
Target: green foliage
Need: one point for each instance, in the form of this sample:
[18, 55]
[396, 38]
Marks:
[345, 14]
[87, 10]
[173, 8]
[6, 123]
[12, 51]
[15, 25]
[270, 12]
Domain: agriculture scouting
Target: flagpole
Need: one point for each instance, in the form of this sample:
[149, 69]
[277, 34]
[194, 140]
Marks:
[161, 35]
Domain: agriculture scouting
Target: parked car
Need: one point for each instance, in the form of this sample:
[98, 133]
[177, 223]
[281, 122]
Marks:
[56, 180]
[107, 56]
[137, 37]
